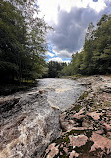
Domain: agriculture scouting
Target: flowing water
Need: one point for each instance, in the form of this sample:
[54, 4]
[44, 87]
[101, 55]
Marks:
[34, 119]
[61, 93]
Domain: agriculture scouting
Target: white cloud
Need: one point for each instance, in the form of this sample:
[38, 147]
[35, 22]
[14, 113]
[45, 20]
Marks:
[50, 54]
[62, 53]
[51, 8]
[56, 59]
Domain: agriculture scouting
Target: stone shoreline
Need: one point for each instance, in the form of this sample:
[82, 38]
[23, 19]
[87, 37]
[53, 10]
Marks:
[86, 127]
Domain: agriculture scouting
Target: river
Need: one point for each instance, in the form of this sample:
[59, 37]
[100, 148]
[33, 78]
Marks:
[61, 93]
[30, 120]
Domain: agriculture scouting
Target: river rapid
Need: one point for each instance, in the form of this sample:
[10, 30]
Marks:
[61, 93]
[30, 120]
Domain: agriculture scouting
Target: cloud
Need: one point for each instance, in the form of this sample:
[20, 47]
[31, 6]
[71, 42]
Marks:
[51, 8]
[49, 54]
[60, 60]
[62, 54]
[69, 33]
[70, 19]
[56, 59]
[95, 0]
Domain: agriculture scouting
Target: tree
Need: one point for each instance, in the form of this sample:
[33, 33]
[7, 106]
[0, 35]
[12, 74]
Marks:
[96, 55]
[55, 68]
[22, 41]
[12, 39]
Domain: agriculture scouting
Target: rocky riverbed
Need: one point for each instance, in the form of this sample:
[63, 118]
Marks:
[30, 121]
[86, 127]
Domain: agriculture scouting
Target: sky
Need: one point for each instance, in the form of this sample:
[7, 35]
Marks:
[69, 19]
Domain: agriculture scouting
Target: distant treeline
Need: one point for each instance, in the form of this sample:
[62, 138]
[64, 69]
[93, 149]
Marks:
[95, 58]
[22, 41]
[54, 69]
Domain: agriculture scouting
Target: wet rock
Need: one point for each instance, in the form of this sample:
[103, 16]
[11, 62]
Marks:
[106, 88]
[8, 103]
[28, 126]
[41, 91]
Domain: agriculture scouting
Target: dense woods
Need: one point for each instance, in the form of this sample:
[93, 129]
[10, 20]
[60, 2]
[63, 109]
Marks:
[22, 41]
[95, 58]
[55, 69]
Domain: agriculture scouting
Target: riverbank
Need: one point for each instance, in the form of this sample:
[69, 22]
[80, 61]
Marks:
[29, 121]
[11, 88]
[86, 127]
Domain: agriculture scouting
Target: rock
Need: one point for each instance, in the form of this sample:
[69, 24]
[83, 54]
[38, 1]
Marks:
[100, 132]
[95, 115]
[87, 123]
[73, 154]
[41, 91]
[26, 126]
[100, 142]
[106, 127]
[62, 117]
[54, 107]
[80, 129]
[8, 103]
[66, 150]
[109, 135]
[66, 126]
[80, 115]
[77, 141]
[106, 88]
[53, 151]
[50, 147]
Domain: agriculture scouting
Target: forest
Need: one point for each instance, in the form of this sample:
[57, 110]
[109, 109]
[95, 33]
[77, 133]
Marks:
[95, 57]
[23, 46]
[22, 41]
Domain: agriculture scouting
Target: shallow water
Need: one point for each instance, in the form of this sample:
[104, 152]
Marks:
[61, 93]
[41, 123]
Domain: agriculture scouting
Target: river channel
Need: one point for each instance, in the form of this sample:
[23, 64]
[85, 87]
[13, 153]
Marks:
[30, 120]
[61, 93]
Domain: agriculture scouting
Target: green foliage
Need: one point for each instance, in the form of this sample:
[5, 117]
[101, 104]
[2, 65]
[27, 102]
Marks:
[96, 55]
[54, 69]
[22, 41]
